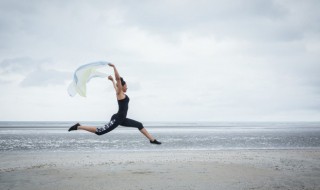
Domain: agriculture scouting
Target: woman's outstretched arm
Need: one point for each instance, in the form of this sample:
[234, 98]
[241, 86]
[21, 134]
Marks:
[117, 76]
[116, 73]
[114, 84]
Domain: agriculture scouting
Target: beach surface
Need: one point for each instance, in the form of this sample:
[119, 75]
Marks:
[225, 169]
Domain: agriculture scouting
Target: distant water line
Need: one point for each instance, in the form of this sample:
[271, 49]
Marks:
[53, 136]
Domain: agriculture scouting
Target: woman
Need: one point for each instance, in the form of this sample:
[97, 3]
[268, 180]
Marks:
[119, 118]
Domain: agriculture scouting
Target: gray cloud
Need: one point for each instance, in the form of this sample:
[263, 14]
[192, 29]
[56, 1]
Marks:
[171, 15]
[33, 72]
[19, 65]
[251, 20]
[41, 78]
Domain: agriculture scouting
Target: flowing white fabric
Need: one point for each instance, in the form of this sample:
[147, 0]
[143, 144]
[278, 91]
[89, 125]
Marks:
[83, 75]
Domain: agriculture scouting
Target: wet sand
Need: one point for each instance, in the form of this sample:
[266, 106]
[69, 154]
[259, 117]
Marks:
[231, 169]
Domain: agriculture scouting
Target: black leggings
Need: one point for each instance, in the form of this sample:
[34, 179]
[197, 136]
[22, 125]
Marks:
[116, 121]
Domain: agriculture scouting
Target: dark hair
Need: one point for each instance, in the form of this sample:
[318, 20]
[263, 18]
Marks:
[122, 81]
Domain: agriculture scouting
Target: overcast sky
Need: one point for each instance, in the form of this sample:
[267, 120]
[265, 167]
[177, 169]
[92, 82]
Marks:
[183, 60]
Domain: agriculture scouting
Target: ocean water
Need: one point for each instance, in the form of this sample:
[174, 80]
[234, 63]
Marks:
[53, 136]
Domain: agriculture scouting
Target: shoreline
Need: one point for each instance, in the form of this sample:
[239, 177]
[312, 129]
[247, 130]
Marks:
[197, 169]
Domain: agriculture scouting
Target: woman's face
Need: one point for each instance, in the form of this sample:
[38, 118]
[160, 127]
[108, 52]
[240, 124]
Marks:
[124, 88]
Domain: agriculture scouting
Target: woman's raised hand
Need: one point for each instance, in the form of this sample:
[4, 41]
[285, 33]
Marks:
[110, 78]
[111, 65]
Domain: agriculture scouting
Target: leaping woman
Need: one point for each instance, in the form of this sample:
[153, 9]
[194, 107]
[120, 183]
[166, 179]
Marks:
[119, 118]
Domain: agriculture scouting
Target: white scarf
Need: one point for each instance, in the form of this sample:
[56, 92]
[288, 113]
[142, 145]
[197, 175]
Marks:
[83, 75]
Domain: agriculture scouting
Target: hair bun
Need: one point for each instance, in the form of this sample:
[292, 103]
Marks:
[122, 81]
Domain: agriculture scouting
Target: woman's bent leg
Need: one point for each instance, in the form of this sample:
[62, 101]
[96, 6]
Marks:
[136, 124]
[147, 134]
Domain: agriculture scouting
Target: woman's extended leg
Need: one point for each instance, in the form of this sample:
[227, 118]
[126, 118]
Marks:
[98, 130]
[88, 128]
[77, 126]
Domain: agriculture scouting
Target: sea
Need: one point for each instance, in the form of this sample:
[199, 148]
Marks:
[53, 136]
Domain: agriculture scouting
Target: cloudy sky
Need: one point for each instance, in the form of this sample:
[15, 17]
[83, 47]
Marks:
[183, 60]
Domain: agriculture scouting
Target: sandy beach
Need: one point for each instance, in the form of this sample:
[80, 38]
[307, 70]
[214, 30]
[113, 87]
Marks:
[232, 169]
